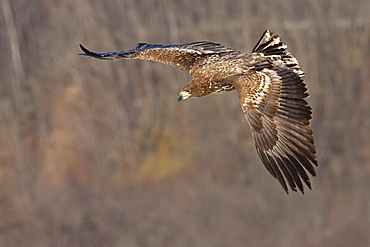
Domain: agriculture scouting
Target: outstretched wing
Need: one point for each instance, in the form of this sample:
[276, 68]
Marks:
[273, 103]
[272, 95]
[180, 56]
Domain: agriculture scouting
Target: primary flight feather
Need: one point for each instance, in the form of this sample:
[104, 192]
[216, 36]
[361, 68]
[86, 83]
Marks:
[271, 90]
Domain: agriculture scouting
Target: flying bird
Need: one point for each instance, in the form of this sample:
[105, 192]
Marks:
[271, 90]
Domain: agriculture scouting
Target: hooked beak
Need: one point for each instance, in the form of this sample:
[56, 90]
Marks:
[183, 95]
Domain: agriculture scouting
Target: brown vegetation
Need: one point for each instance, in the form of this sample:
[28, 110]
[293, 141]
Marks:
[96, 153]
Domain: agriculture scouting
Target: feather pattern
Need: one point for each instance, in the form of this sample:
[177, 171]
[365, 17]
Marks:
[271, 90]
[281, 131]
[180, 56]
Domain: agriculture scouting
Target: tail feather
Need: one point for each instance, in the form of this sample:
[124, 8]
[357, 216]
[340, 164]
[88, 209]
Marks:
[270, 45]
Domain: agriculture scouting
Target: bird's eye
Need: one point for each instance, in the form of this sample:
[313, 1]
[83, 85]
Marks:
[188, 91]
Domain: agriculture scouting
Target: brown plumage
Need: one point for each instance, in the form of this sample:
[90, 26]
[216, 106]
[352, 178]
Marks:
[271, 93]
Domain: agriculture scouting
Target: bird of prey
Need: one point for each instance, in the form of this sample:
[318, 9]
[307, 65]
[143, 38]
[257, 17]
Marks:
[271, 90]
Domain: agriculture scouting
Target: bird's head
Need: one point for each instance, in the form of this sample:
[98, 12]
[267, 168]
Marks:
[195, 88]
[183, 95]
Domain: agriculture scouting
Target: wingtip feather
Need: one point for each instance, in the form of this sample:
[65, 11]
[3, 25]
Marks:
[84, 50]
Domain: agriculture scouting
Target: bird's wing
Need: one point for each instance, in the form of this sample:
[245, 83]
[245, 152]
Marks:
[273, 101]
[180, 56]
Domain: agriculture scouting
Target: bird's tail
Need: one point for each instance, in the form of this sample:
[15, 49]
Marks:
[106, 56]
[272, 45]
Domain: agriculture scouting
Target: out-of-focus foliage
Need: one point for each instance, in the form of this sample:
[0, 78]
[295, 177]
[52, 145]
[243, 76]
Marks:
[96, 153]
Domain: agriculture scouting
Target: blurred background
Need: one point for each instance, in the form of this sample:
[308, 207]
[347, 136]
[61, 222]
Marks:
[97, 153]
